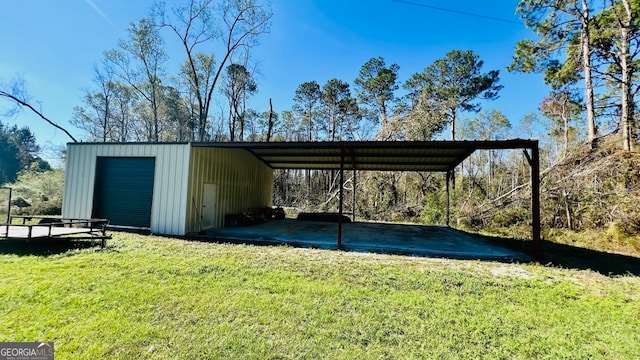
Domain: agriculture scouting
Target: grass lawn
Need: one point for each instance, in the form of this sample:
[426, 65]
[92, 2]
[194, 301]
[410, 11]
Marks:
[162, 298]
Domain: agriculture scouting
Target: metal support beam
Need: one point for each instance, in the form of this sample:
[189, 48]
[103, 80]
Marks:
[340, 201]
[534, 162]
[8, 212]
[448, 196]
[8, 204]
[353, 210]
[535, 202]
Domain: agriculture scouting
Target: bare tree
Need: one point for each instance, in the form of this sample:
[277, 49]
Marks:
[140, 62]
[195, 25]
[561, 107]
[95, 116]
[239, 84]
[15, 93]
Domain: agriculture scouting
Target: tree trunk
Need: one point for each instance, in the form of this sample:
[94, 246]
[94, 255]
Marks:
[453, 125]
[453, 137]
[105, 124]
[270, 126]
[567, 208]
[565, 121]
[626, 116]
[308, 178]
[156, 121]
[383, 115]
[586, 67]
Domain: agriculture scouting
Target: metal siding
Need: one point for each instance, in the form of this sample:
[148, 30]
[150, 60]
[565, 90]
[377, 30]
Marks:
[161, 199]
[162, 210]
[169, 200]
[70, 172]
[193, 196]
[79, 175]
[181, 217]
[242, 181]
[170, 181]
[191, 222]
[89, 180]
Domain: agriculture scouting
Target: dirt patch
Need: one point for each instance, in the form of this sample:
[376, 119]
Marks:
[511, 271]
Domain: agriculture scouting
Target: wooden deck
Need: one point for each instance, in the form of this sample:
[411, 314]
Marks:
[56, 228]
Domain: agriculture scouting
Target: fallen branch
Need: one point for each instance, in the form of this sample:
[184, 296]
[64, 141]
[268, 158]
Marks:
[27, 105]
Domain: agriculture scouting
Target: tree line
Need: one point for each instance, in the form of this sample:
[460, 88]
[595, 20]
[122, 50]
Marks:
[135, 98]
[18, 152]
[587, 51]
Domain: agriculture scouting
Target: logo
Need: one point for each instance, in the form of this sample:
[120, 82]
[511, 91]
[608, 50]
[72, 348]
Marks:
[26, 350]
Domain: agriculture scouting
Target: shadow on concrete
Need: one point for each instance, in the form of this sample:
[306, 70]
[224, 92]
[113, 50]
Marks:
[427, 241]
[383, 238]
[573, 257]
[44, 247]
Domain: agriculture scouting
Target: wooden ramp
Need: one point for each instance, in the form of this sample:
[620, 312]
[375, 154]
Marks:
[56, 228]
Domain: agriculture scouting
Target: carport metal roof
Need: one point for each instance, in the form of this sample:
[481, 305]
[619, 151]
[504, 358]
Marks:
[433, 156]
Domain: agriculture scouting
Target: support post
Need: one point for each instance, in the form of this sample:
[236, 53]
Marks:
[448, 195]
[9, 210]
[534, 163]
[340, 200]
[8, 214]
[535, 202]
[353, 210]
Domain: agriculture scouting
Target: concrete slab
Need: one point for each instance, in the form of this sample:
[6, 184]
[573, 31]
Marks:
[406, 239]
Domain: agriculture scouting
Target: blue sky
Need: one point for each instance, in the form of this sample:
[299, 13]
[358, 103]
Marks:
[53, 45]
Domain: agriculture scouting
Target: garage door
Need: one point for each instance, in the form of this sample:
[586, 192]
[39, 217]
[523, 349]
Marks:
[123, 190]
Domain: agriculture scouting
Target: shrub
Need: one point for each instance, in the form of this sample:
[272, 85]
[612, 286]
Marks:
[51, 207]
[42, 189]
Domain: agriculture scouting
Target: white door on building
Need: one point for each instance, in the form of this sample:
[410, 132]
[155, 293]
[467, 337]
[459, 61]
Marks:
[209, 205]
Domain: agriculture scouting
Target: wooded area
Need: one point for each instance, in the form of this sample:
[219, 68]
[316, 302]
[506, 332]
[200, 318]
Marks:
[18, 152]
[587, 51]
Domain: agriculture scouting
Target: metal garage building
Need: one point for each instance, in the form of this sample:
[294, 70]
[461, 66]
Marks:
[169, 188]
[182, 188]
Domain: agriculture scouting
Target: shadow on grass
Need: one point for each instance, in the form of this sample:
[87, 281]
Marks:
[608, 264]
[44, 247]
[573, 257]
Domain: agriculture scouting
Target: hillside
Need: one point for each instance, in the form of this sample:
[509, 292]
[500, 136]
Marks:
[592, 198]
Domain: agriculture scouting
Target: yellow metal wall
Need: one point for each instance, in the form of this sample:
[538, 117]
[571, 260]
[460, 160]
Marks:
[242, 182]
[169, 203]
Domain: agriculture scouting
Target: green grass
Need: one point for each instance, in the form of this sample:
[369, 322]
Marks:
[162, 298]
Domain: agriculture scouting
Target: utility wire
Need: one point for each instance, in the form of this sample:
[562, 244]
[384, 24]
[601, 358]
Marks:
[458, 12]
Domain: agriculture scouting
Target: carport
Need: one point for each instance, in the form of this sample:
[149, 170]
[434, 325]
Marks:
[430, 156]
